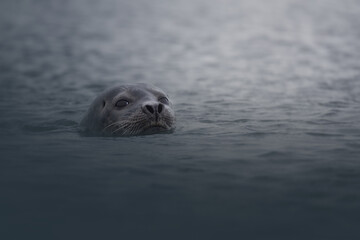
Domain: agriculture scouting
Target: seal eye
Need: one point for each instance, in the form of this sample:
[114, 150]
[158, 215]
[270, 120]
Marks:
[164, 100]
[121, 103]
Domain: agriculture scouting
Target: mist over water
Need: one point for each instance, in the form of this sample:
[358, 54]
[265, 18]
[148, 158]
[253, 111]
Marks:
[266, 95]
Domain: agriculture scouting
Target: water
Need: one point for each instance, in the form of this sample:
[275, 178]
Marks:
[266, 95]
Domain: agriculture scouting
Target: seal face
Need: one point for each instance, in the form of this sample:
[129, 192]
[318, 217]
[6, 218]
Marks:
[128, 110]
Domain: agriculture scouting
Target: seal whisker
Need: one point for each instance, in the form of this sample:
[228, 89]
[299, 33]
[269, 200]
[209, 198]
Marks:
[123, 126]
[110, 125]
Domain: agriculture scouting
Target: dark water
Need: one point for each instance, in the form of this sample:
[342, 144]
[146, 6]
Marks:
[267, 97]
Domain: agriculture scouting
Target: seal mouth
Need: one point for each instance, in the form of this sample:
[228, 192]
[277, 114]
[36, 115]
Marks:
[155, 128]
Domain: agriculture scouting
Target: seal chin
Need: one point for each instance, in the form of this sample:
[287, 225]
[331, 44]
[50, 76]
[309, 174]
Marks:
[155, 128]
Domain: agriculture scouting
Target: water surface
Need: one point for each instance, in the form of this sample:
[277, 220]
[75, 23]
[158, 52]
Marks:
[266, 95]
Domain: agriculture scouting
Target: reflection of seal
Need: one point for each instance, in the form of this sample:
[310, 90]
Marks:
[130, 110]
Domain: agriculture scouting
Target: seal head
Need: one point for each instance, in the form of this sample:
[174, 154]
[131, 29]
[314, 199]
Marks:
[128, 110]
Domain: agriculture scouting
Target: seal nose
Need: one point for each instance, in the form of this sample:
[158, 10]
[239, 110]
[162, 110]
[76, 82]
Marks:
[153, 108]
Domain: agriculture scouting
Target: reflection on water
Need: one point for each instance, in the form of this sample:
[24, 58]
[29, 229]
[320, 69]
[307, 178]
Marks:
[266, 94]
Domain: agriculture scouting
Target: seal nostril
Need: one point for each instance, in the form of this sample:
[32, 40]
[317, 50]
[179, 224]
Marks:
[150, 108]
[160, 108]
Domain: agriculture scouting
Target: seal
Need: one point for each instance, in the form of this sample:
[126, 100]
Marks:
[127, 110]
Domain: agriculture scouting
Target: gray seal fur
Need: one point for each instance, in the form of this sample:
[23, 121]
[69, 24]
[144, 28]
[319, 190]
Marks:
[128, 110]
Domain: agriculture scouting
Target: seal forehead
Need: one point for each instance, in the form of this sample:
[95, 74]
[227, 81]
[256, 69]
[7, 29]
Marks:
[114, 91]
[138, 91]
[133, 92]
[134, 89]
